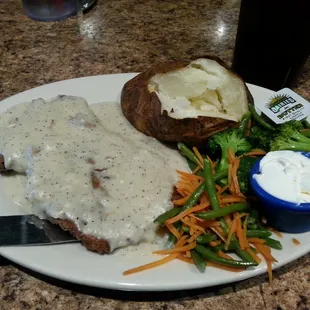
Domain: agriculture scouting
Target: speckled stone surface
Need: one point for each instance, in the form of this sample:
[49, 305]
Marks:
[126, 36]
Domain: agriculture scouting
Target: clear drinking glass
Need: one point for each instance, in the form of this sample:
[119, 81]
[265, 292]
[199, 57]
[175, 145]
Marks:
[54, 10]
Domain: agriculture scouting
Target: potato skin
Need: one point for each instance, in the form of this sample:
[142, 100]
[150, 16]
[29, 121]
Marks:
[143, 110]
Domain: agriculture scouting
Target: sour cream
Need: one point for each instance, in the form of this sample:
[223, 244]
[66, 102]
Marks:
[286, 176]
[91, 167]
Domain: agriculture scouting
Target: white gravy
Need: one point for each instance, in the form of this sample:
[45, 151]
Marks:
[97, 171]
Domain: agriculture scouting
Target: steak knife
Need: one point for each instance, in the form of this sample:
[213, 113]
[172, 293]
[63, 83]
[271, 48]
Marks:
[23, 230]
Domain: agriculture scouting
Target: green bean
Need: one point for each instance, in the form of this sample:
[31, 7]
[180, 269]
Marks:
[194, 197]
[253, 249]
[222, 247]
[199, 261]
[211, 190]
[185, 229]
[172, 238]
[275, 244]
[244, 255]
[254, 214]
[252, 226]
[259, 119]
[214, 214]
[205, 239]
[220, 175]
[188, 153]
[258, 233]
[251, 220]
[209, 255]
[210, 185]
[193, 166]
[161, 219]
[245, 121]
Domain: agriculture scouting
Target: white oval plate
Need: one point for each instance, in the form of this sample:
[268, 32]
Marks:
[75, 264]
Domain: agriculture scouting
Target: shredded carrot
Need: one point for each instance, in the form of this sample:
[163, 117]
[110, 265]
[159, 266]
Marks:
[197, 219]
[188, 223]
[174, 231]
[223, 255]
[234, 175]
[151, 265]
[180, 202]
[221, 231]
[245, 224]
[224, 267]
[256, 240]
[189, 186]
[186, 259]
[188, 254]
[187, 212]
[198, 155]
[231, 157]
[222, 190]
[204, 198]
[254, 256]
[218, 188]
[189, 175]
[181, 241]
[231, 199]
[243, 242]
[230, 180]
[215, 229]
[232, 229]
[256, 152]
[295, 241]
[210, 223]
[196, 169]
[184, 248]
[215, 243]
[194, 236]
[227, 219]
[183, 191]
[265, 251]
[276, 232]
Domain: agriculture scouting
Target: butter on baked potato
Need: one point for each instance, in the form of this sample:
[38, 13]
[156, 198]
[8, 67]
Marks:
[185, 101]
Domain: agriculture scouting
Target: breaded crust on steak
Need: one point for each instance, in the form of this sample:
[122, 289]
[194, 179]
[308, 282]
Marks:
[91, 243]
[2, 168]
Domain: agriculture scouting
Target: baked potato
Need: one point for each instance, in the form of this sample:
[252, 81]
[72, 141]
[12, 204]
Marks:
[185, 101]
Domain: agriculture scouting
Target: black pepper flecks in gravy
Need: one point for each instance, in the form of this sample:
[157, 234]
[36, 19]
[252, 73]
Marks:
[97, 171]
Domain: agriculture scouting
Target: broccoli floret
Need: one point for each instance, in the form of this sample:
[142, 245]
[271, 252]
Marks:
[289, 138]
[261, 137]
[231, 139]
[243, 173]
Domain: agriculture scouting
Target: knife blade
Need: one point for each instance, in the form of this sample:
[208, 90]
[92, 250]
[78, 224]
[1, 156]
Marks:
[23, 230]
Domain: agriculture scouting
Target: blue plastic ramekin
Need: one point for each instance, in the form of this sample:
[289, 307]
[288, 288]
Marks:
[282, 215]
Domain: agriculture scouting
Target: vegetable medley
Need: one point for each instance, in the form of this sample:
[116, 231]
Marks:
[215, 219]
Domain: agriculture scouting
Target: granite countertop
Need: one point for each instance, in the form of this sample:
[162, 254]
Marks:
[127, 36]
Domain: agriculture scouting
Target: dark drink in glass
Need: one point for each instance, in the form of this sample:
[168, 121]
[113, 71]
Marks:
[273, 41]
